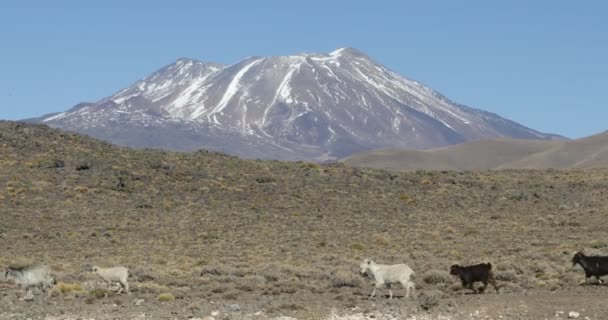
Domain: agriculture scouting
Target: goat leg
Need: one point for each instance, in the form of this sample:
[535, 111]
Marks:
[470, 286]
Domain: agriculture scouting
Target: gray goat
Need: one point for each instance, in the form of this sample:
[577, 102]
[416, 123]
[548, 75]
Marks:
[30, 276]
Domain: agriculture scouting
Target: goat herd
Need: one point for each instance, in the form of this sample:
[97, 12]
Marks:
[594, 266]
[385, 275]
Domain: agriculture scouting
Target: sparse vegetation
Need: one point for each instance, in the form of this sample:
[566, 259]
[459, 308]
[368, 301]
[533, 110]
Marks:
[100, 293]
[65, 288]
[209, 225]
[429, 299]
[434, 277]
[165, 297]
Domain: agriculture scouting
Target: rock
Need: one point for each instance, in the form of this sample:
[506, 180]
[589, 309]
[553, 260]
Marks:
[59, 164]
[573, 315]
[28, 296]
[139, 302]
[234, 308]
[215, 313]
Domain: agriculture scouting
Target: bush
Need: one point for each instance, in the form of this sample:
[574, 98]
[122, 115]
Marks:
[429, 299]
[343, 278]
[211, 270]
[65, 288]
[509, 276]
[434, 277]
[149, 287]
[100, 293]
[381, 239]
[598, 244]
[165, 297]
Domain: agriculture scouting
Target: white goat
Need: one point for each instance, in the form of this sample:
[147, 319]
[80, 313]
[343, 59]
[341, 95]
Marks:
[387, 274]
[115, 274]
[30, 276]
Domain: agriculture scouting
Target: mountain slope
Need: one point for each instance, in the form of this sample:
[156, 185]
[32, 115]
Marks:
[591, 152]
[306, 106]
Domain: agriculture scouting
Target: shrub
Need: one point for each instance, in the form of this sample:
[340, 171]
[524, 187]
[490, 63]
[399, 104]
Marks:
[506, 276]
[434, 277]
[598, 244]
[65, 288]
[343, 278]
[165, 297]
[149, 287]
[357, 246]
[100, 293]
[429, 299]
[407, 198]
[211, 270]
[382, 239]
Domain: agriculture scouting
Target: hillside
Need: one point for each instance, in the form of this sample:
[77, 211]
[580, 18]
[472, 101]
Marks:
[307, 106]
[591, 152]
[283, 237]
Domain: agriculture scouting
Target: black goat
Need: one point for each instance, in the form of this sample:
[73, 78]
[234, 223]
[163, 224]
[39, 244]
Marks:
[470, 274]
[595, 266]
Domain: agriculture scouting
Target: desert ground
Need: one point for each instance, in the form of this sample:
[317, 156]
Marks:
[210, 235]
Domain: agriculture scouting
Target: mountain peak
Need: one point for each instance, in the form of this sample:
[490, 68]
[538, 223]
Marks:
[305, 106]
[348, 51]
[185, 59]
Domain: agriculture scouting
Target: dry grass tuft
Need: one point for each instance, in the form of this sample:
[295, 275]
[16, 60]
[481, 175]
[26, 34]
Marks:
[100, 293]
[165, 297]
[65, 288]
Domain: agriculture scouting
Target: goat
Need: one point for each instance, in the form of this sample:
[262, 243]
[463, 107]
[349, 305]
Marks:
[595, 266]
[30, 276]
[115, 274]
[470, 274]
[387, 274]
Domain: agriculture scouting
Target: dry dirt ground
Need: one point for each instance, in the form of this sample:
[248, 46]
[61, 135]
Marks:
[206, 233]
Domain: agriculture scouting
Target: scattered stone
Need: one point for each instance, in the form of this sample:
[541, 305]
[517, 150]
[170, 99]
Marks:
[234, 308]
[28, 296]
[139, 302]
[215, 313]
[208, 318]
[59, 164]
[573, 315]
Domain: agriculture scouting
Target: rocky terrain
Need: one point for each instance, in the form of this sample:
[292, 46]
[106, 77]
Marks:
[207, 234]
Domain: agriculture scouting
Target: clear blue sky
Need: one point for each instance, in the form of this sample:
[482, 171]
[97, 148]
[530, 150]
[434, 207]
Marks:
[541, 63]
